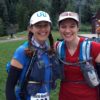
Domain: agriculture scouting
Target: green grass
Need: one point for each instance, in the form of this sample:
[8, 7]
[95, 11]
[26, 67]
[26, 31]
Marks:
[6, 52]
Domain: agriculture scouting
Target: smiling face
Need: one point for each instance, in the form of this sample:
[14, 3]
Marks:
[68, 29]
[41, 31]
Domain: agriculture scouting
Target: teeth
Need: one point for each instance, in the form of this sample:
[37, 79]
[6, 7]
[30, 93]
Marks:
[42, 33]
[68, 35]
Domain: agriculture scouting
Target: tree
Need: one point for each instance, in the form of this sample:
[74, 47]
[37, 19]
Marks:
[25, 9]
[20, 11]
[57, 6]
[70, 5]
[85, 9]
[1, 27]
[4, 15]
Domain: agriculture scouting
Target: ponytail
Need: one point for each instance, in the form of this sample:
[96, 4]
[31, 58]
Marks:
[51, 40]
[28, 50]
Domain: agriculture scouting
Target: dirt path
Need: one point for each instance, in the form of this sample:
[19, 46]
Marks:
[88, 35]
[7, 39]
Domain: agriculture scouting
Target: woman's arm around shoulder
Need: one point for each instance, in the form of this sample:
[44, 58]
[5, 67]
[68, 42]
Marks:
[95, 51]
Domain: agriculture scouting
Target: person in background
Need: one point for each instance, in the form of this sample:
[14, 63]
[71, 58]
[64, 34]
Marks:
[74, 85]
[38, 55]
[98, 28]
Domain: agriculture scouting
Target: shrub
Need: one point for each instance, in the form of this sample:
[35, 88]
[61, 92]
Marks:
[1, 27]
[85, 27]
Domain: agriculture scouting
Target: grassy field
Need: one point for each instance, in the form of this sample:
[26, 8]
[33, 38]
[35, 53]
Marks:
[6, 52]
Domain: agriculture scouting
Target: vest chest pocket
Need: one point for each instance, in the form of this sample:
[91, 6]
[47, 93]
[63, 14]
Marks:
[36, 77]
[38, 70]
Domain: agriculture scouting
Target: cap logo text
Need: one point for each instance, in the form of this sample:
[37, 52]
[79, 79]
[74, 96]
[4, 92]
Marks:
[41, 14]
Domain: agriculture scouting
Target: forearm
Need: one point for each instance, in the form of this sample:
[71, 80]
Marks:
[11, 82]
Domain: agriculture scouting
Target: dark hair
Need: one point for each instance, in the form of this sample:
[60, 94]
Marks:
[28, 50]
[51, 40]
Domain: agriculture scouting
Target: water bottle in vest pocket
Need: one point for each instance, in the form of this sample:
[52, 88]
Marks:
[90, 74]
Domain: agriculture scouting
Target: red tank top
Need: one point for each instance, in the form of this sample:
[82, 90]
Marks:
[75, 87]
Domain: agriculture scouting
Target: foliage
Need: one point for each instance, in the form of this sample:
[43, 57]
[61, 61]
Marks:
[1, 27]
[6, 51]
[70, 5]
[20, 11]
[21, 16]
[85, 28]
[56, 8]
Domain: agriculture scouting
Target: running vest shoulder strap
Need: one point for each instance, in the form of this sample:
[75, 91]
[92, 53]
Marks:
[61, 49]
[85, 49]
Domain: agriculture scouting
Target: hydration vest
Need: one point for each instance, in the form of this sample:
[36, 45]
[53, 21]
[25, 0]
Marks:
[85, 62]
[56, 74]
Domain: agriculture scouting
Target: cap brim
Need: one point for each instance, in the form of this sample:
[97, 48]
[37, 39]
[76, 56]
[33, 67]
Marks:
[68, 17]
[32, 22]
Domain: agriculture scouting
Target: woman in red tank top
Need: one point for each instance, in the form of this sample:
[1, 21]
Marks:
[74, 86]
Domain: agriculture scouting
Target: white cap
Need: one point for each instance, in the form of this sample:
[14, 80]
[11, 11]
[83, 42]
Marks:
[66, 15]
[39, 16]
